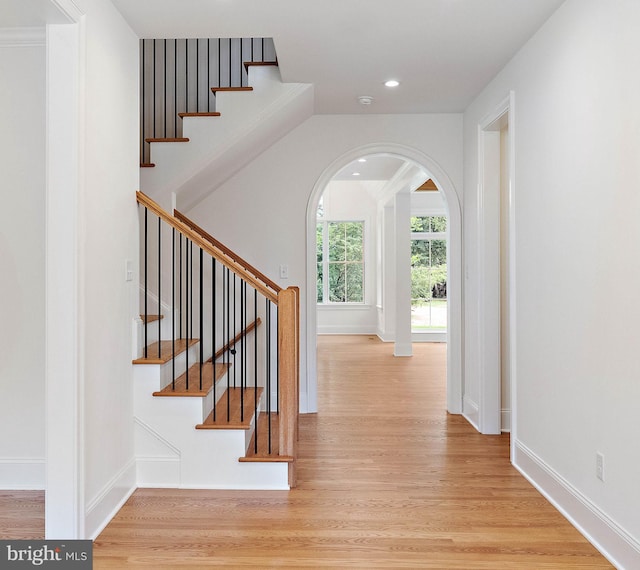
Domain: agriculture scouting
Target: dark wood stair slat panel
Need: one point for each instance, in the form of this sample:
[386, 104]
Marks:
[248, 64]
[167, 140]
[166, 351]
[147, 165]
[234, 421]
[230, 89]
[212, 114]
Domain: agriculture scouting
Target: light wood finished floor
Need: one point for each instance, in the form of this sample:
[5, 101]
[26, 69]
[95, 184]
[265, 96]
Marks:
[386, 480]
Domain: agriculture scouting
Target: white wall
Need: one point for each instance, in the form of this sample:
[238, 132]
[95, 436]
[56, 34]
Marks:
[351, 201]
[261, 212]
[577, 272]
[22, 337]
[108, 236]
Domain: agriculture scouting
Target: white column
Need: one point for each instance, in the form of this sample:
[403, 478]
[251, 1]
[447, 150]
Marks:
[403, 274]
[64, 508]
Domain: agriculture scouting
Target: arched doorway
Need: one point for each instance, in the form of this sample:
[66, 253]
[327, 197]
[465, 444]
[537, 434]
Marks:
[454, 310]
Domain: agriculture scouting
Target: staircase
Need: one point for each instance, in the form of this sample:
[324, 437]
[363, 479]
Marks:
[216, 369]
[216, 145]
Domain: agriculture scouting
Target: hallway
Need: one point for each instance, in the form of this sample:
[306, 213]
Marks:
[386, 480]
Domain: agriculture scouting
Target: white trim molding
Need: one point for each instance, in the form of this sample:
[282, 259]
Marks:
[22, 37]
[470, 411]
[104, 506]
[454, 308]
[22, 473]
[615, 544]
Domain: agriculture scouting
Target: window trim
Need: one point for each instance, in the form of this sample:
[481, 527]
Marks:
[325, 263]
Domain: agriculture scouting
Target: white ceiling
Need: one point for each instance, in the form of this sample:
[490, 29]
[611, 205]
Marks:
[442, 51]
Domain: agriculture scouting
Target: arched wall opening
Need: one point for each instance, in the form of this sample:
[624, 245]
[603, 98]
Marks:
[454, 309]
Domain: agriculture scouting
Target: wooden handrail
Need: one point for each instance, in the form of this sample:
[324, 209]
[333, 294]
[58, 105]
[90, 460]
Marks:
[212, 250]
[235, 340]
[196, 228]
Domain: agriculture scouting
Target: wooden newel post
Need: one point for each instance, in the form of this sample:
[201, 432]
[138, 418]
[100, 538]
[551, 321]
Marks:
[288, 348]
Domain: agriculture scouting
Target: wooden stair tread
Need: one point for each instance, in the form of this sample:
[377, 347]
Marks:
[151, 318]
[234, 421]
[166, 351]
[263, 455]
[166, 140]
[212, 114]
[194, 389]
[147, 165]
[216, 89]
[248, 64]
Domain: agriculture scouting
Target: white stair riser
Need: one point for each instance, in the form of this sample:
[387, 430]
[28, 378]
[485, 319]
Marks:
[171, 453]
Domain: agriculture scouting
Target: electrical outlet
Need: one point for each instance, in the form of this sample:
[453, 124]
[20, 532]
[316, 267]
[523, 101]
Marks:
[600, 466]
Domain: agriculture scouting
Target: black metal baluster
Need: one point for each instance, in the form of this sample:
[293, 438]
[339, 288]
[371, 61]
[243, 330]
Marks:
[186, 312]
[159, 289]
[219, 62]
[241, 62]
[154, 90]
[213, 331]
[191, 292]
[233, 330]
[180, 287]
[165, 87]
[143, 158]
[230, 63]
[241, 355]
[201, 320]
[173, 308]
[146, 286]
[268, 386]
[255, 368]
[277, 361]
[175, 89]
[208, 75]
[197, 75]
[186, 75]
[227, 345]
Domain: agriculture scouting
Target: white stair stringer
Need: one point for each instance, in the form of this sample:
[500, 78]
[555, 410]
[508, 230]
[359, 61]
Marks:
[171, 453]
[218, 147]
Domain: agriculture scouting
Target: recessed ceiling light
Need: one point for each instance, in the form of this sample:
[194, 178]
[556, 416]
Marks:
[365, 100]
[356, 174]
[362, 160]
[392, 83]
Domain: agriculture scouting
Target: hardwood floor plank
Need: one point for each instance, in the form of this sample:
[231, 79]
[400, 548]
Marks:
[386, 479]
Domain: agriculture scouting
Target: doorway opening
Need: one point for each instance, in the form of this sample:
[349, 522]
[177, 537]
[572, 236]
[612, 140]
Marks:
[381, 206]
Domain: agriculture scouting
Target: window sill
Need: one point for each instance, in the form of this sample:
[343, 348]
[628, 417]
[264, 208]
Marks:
[343, 306]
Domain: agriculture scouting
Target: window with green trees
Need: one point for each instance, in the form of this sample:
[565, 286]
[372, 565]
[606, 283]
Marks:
[340, 262]
[428, 273]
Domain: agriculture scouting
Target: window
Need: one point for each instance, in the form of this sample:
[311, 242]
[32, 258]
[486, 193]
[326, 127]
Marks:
[428, 273]
[340, 262]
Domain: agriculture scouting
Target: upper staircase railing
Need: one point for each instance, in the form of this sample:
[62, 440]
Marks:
[179, 78]
[239, 324]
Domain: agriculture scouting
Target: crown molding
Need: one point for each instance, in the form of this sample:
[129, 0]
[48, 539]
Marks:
[22, 37]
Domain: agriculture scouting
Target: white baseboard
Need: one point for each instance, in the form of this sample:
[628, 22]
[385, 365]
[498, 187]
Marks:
[505, 420]
[102, 508]
[615, 544]
[470, 412]
[22, 474]
[346, 329]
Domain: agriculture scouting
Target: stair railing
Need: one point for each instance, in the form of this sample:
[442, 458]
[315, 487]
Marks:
[176, 77]
[216, 302]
